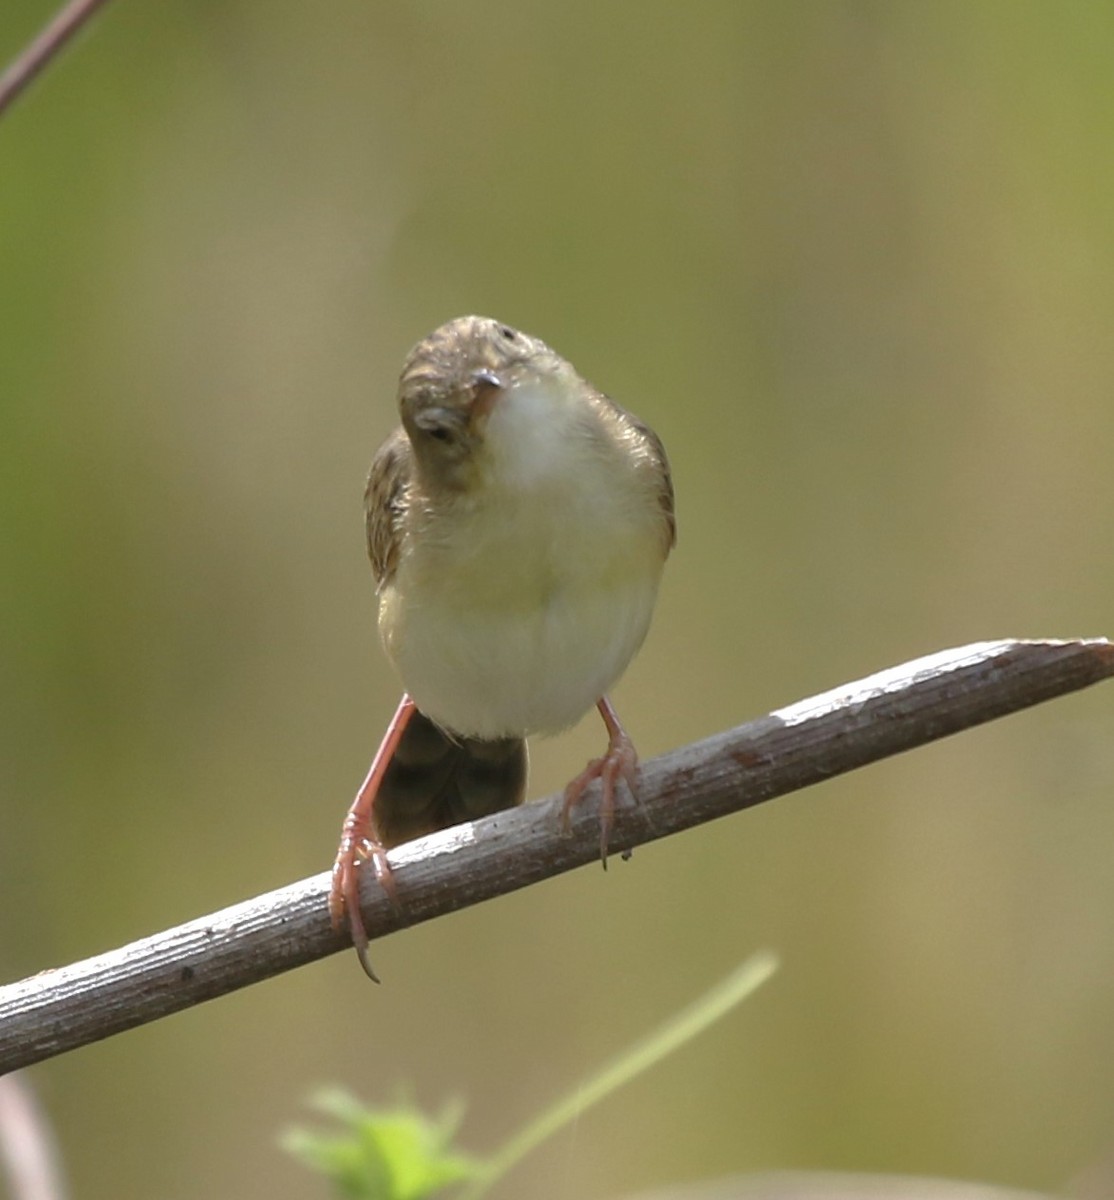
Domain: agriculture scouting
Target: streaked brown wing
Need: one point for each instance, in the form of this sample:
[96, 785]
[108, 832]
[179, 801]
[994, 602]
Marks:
[665, 486]
[655, 461]
[385, 500]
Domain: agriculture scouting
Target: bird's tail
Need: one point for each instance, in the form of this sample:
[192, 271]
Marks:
[435, 780]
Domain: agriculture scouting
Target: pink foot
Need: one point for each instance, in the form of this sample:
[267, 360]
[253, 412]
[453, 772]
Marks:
[619, 760]
[355, 849]
[358, 844]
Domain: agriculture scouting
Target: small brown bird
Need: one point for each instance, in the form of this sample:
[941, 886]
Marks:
[517, 522]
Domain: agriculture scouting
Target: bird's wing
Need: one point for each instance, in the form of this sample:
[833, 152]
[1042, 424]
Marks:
[385, 501]
[665, 481]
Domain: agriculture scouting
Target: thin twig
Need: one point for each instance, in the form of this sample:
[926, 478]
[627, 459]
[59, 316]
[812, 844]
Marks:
[792, 748]
[35, 56]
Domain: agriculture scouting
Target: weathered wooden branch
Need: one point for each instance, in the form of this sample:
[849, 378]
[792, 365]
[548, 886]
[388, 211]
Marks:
[792, 748]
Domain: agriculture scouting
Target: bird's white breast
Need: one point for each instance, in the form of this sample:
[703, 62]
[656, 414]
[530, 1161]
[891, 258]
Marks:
[524, 601]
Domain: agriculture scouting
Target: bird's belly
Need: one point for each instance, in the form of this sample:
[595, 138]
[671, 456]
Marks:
[522, 638]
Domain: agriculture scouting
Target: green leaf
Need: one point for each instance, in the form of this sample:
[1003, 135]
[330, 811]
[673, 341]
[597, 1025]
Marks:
[386, 1154]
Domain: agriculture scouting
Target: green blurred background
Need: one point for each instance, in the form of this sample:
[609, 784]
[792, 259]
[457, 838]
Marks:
[854, 262]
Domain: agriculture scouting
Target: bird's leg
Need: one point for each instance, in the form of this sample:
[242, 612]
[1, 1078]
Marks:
[620, 758]
[358, 842]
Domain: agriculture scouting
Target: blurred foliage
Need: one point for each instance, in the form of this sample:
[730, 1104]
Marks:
[390, 1154]
[855, 263]
[400, 1154]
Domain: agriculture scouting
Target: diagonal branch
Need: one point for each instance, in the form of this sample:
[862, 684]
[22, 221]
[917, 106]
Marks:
[792, 748]
[37, 53]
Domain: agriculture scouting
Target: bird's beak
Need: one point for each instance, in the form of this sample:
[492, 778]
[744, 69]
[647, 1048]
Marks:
[487, 387]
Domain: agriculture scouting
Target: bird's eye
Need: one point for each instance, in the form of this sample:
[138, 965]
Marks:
[439, 424]
[507, 332]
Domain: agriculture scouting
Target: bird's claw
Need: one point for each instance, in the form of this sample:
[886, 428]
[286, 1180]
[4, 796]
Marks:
[620, 760]
[344, 894]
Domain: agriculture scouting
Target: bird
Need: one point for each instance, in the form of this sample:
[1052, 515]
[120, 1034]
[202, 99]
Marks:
[518, 521]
